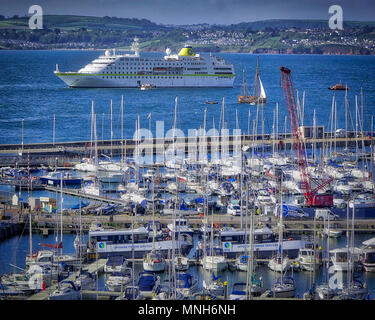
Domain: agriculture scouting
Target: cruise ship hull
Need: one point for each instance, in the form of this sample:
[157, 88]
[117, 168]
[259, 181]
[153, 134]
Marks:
[76, 80]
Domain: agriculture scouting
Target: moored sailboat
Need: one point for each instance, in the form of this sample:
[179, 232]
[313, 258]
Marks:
[258, 95]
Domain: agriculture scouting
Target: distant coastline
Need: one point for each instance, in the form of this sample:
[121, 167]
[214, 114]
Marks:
[222, 51]
[63, 32]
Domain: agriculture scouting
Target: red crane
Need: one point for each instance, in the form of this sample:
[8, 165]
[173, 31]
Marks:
[311, 198]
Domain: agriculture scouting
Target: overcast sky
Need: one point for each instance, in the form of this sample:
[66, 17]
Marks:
[197, 11]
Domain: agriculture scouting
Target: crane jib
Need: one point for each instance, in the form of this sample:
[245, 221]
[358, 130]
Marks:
[310, 195]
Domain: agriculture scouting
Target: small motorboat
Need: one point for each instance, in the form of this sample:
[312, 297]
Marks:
[214, 260]
[356, 291]
[55, 178]
[186, 284]
[238, 291]
[168, 293]
[181, 263]
[279, 264]
[19, 283]
[148, 284]
[119, 280]
[215, 286]
[131, 293]
[80, 205]
[368, 255]
[306, 259]
[257, 288]
[242, 263]
[324, 292]
[333, 230]
[284, 288]
[115, 264]
[67, 291]
[147, 86]
[211, 102]
[338, 87]
[154, 262]
[85, 280]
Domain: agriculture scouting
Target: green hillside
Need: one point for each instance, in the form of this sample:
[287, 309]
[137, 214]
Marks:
[267, 36]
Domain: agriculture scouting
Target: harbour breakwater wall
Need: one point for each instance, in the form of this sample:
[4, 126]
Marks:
[65, 154]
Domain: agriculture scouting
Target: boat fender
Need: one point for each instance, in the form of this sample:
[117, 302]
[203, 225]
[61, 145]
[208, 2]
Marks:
[290, 239]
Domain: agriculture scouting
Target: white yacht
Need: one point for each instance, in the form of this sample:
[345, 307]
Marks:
[368, 255]
[284, 287]
[66, 291]
[181, 263]
[85, 280]
[306, 259]
[186, 284]
[181, 226]
[117, 281]
[115, 264]
[94, 188]
[86, 165]
[242, 263]
[214, 260]
[279, 264]
[333, 230]
[154, 262]
[185, 69]
[340, 258]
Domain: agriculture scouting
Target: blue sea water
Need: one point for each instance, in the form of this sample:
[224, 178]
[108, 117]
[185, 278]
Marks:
[29, 90]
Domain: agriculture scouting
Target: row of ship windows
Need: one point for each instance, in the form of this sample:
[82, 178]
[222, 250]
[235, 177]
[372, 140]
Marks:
[136, 77]
[160, 63]
[143, 69]
[146, 77]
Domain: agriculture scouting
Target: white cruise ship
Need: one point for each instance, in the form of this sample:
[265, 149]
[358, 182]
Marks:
[185, 69]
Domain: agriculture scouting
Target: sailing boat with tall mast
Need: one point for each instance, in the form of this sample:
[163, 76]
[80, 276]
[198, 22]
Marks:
[153, 261]
[94, 186]
[258, 95]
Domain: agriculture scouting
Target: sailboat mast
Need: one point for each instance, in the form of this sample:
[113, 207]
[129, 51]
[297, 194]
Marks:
[92, 127]
[356, 129]
[277, 127]
[372, 154]
[346, 119]
[281, 225]
[362, 128]
[274, 134]
[111, 131]
[122, 130]
[28, 193]
[96, 146]
[61, 210]
[314, 136]
[54, 127]
[256, 80]
[244, 83]
[223, 108]
[153, 214]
